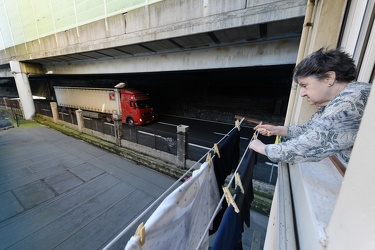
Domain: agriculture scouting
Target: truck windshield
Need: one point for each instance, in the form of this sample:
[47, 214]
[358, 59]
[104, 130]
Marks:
[143, 104]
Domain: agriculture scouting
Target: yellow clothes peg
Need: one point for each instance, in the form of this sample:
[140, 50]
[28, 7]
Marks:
[237, 124]
[230, 200]
[216, 150]
[140, 232]
[209, 159]
[278, 139]
[238, 182]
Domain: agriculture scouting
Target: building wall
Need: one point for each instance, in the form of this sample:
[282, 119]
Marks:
[25, 21]
[332, 211]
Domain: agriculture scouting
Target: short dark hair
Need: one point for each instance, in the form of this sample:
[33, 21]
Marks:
[320, 62]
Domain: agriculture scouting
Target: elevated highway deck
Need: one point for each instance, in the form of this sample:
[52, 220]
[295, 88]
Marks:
[133, 39]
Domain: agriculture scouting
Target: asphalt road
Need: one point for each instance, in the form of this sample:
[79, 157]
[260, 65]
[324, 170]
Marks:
[203, 134]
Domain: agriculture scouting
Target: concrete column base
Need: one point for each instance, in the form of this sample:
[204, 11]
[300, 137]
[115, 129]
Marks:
[80, 122]
[182, 140]
[118, 131]
[55, 112]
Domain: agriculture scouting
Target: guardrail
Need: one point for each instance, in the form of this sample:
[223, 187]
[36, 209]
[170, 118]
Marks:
[12, 111]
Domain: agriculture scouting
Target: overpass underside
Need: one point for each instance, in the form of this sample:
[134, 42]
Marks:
[170, 35]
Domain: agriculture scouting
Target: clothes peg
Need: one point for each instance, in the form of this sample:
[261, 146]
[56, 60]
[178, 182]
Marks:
[237, 124]
[230, 200]
[255, 135]
[140, 232]
[238, 182]
[209, 159]
[216, 150]
[278, 139]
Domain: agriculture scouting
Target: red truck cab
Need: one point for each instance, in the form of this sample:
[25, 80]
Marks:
[136, 107]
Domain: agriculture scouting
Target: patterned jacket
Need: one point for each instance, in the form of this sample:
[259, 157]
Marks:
[332, 130]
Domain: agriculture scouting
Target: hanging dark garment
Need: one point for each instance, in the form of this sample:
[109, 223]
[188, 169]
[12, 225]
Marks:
[229, 234]
[229, 150]
[244, 201]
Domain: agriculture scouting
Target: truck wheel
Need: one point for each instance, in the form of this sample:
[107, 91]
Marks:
[130, 121]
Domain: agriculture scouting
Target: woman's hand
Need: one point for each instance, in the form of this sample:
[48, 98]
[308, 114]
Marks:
[258, 146]
[268, 130]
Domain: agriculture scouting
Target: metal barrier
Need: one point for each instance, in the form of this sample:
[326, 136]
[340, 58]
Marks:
[12, 111]
[160, 140]
[66, 115]
[43, 108]
[98, 125]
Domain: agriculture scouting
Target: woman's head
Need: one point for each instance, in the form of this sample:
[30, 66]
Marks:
[320, 63]
[323, 75]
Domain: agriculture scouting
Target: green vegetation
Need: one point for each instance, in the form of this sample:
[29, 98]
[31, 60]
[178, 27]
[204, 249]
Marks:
[261, 204]
[27, 124]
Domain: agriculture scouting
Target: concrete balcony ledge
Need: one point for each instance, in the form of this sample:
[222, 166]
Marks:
[315, 188]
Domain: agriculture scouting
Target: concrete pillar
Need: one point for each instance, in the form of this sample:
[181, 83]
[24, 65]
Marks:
[117, 122]
[80, 120]
[24, 90]
[182, 140]
[117, 118]
[55, 112]
[5, 100]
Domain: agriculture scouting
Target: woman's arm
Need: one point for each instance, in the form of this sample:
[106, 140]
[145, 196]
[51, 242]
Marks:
[268, 130]
[332, 130]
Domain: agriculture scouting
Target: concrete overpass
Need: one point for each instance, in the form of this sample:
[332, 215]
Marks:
[154, 36]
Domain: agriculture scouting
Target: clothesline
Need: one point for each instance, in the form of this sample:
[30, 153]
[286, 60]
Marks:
[223, 196]
[162, 196]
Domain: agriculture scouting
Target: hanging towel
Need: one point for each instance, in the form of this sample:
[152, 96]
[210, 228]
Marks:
[182, 217]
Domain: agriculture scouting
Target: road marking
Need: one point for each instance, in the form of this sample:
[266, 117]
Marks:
[198, 146]
[226, 123]
[191, 144]
[169, 124]
[146, 133]
[243, 138]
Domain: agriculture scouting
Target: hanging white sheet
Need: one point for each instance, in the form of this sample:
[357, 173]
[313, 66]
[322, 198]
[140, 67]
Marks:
[181, 219]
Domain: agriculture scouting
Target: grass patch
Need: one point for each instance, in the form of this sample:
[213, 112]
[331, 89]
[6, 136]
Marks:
[27, 124]
[262, 194]
[261, 205]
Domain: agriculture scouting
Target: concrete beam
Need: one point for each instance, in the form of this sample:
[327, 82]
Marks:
[26, 68]
[276, 52]
[5, 73]
[163, 20]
